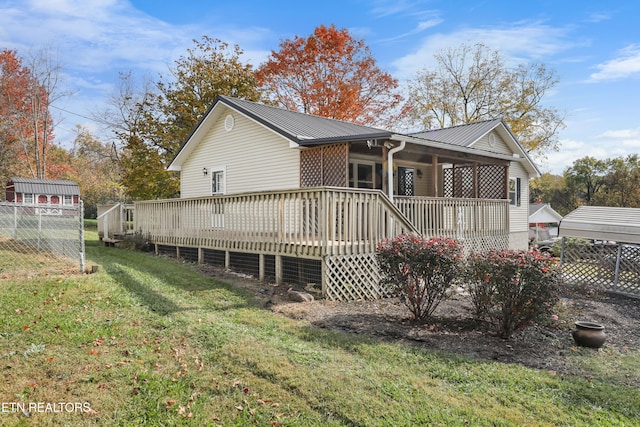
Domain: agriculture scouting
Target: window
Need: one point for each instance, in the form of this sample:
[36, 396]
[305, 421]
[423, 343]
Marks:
[365, 175]
[67, 200]
[218, 178]
[515, 189]
[27, 199]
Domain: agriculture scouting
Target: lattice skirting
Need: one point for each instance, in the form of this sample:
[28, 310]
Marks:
[352, 277]
[485, 243]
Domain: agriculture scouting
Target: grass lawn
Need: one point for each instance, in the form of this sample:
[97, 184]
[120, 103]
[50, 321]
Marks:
[149, 341]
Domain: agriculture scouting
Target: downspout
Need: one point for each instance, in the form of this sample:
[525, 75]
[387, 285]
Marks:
[390, 166]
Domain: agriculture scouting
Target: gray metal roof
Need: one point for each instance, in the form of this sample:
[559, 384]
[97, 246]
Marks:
[45, 186]
[602, 223]
[304, 128]
[463, 135]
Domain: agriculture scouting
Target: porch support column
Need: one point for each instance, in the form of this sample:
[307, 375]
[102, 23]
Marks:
[506, 182]
[475, 180]
[434, 175]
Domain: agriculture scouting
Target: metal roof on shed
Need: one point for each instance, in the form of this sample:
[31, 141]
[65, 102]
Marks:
[602, 223]
[45, 186]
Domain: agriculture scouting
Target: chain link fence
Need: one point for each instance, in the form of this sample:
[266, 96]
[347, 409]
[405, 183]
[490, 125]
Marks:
[41, 240]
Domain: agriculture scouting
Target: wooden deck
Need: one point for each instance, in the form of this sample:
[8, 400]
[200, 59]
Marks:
[339, 227]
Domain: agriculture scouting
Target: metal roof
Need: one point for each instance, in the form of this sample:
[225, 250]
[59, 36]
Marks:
[302, 127]
[602, 223]
[45, 186]
[308, 130]
[464, 135]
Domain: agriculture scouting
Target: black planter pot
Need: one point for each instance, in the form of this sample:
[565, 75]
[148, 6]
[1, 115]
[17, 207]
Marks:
[589, 334]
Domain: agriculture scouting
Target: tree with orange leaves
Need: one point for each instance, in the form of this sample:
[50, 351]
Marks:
[26, 125]
[330, 74]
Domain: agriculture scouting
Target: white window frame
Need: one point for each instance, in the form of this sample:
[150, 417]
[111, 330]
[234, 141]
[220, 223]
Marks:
[515, 191]
[221, 187]
[362, 182]
[67, 200]
[28, 198]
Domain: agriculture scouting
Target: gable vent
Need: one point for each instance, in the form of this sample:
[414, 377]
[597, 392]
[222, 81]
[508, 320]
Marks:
[228, 123]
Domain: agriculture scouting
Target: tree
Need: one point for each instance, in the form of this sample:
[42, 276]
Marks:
[14, 79]
[27, 93]
[585, 178]
[152, 121]
[472, 83]
[96, 169]
[330, 74]
[552, 189]
[621, 186]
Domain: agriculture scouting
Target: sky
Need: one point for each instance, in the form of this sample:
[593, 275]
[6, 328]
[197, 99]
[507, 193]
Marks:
[593, 46]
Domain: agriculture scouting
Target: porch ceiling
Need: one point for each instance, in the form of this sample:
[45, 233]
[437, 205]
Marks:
[424, 154]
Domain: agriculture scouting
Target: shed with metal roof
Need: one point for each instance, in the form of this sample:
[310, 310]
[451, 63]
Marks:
[602, 223]
[42, 191]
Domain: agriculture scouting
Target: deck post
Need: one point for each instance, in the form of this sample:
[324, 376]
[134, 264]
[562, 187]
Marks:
[200, 255]
[227, 260]
[279, 269]
[261, 267]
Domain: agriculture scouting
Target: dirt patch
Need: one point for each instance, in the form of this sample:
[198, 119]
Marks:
[453, 328]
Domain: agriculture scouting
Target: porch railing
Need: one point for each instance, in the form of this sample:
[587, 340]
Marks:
[464, 219]
[309, 222]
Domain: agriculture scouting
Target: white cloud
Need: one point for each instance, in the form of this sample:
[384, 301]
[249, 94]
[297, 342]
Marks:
[626, 64]
[522, 41]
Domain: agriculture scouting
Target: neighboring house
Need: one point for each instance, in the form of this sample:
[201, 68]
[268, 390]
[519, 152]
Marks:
[272, 182]
[39, 192]
[543, 221]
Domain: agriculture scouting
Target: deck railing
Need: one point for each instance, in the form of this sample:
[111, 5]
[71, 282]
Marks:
[464, 219]
[303, 222]
[316, 222]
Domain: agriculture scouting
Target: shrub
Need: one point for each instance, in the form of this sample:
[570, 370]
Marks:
[512, 288]
[420, 271]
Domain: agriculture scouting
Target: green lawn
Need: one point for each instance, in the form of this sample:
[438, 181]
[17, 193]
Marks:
[149, 341]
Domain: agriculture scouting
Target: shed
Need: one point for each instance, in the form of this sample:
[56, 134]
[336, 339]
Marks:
[603, 223]
[35, 191]
[540, 215]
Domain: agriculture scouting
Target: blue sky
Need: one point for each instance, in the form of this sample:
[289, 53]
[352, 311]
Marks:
[594, 46]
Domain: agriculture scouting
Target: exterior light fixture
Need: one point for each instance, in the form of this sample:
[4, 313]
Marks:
[205, 171]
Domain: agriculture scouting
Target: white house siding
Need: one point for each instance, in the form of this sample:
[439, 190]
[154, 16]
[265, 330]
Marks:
[519, 215]
[255, 159]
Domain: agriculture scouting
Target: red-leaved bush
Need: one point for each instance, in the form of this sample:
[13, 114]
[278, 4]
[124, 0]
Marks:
[512, 288]
[420, 271]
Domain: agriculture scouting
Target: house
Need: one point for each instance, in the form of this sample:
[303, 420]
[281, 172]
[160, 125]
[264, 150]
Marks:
[287, 187]
[543, 222]
[42, 192]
